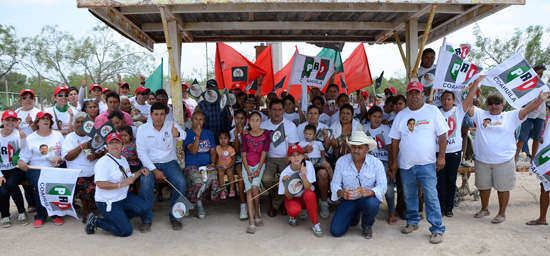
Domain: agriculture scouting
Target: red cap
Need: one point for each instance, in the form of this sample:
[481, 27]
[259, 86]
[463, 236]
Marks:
[415, 85]
[391, 89]
[105, 90]
[294, 148]
[365, 94]
[60, 89]
[95, 86]
[42, 114]
[25, 91]
[114, 136]
[237, 86]
[142, 89]
[185, 84]
[9, 113]
[124, 84]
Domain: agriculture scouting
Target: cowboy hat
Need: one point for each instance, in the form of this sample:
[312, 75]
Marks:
[360, 138]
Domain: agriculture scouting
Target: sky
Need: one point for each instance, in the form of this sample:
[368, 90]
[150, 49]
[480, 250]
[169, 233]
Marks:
[28, 16]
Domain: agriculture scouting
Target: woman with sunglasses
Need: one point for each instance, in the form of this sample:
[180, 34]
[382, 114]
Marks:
[495, 148]
[61, 112]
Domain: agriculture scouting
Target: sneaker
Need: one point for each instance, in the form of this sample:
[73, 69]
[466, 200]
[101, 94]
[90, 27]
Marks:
[303, 214]
[317, 230]
[38, 223]
[409, 229]
[449, 214]
[31, 209]
[58, 221]
[232, 193]
[324, 213]
[244, 212]
[223, 196]
[23, 219]
[292, 221]
[436, 238]
[6, 222]
[367, 232]
[176, 225]
[201, 213]
[90, 227]
[145, 227]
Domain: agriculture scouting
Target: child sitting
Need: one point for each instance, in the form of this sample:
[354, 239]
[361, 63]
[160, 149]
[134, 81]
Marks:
[225, 160]
[317, 153]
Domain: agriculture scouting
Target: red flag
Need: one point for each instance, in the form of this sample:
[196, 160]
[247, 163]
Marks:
[231, 67]
[356, 70]
[265, 62]
[295, 90]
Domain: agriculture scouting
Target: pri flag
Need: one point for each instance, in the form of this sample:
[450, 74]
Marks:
[278, 136]
[231, 67]
[453, 72]
[56, 190]
[516, 81]
[541, 164]
[311, 70]
[265, 62]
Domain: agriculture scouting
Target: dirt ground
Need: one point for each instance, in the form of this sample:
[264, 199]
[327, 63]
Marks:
[222, 233]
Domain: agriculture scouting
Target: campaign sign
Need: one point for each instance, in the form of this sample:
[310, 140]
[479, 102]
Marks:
[294, 185]
[56, 188]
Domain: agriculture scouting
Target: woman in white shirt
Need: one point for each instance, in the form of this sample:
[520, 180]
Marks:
[78, 154]
[62, 113]
[27, 112]
[495, 148]
[43, 150]
[11, 142]
[116, 205]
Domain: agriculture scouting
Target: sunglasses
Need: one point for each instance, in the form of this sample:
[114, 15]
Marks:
[252, 102]
[142, 93]
[162, 98]
[493, 103]
[63, 95]
[27, 97]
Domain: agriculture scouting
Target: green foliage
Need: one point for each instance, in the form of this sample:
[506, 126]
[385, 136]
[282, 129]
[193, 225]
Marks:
[9, 49]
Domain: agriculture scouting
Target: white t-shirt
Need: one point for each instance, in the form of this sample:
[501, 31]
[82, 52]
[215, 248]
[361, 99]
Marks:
[107, 170]
[495, 142]
[291, 136]
[317, 148]
[145, 109]
[302, 127]
[190, 103]
[417, 147]
[382, 136]
[335, 117]
[22, 114]
[310, 174]
[64, 117]
[324, 118]
[454, 119]
[10, 147]
[72, 141]
[32, 154]
[294, 117]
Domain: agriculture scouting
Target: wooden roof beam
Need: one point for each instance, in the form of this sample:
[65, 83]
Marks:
[399, 24]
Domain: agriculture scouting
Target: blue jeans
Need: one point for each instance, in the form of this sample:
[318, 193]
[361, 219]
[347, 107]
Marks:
[41, 213]
[426, 174]
[173, 173]
[347, 213]
[117, 221]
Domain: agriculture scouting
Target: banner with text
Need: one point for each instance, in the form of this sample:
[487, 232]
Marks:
[56, 188]
[311, 70]
[516, 81]
[541, 162]
[453, 72]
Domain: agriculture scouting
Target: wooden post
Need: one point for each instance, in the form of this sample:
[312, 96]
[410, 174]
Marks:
[398, 42]
[424, 39]
[411, 35]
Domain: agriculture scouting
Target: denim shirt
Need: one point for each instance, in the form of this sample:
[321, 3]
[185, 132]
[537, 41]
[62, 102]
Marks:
[372, 176]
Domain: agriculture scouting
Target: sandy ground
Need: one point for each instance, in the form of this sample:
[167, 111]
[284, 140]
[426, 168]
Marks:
[222, 233]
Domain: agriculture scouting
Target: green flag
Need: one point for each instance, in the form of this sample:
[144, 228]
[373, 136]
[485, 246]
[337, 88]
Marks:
[154, 82]
[335, 56]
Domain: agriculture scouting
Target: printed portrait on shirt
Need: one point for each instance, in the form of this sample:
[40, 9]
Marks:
[486, 122]
[410, 124]
[44, 149]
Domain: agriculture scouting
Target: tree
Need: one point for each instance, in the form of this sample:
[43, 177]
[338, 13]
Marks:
[9, 49]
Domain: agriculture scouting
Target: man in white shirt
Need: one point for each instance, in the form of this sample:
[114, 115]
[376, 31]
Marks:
[414, 133]
[95, 93]
[190, 103]
[276, 162]
[156, 148]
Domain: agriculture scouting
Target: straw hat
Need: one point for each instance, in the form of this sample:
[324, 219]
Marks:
[360, 138]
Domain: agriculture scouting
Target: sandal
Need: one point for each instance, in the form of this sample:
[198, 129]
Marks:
[498, 219]
[251, 229]
[392, 221]
[535, 223]
[421, 216]
[258, 222]
[481, 214]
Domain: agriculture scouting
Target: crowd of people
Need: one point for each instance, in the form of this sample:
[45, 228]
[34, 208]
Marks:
[332, 153]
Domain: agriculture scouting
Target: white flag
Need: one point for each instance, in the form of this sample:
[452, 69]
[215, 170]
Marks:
[516, 81]
[541, 164]
[453, 72]
[311, 70]
[56, 188]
